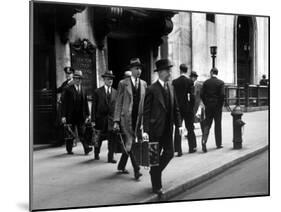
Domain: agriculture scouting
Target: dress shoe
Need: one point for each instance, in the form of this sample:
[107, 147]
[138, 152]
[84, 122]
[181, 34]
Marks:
[192, 150]
[97, 157]
[159, 192]
[179, 154]
[138, 175]
[70, 153]
[88, 150]
[112, 161]
[219, 147]
[204, 148]
[123, 171]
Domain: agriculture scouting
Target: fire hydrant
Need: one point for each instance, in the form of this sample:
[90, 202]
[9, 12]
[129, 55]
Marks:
[237, 127]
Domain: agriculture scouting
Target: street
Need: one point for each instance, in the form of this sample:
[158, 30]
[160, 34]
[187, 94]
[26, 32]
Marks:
[248, 178]
[61, 180]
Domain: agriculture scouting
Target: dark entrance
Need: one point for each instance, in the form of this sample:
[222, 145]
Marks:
[245, 50]
[44, 76]
[121, 50]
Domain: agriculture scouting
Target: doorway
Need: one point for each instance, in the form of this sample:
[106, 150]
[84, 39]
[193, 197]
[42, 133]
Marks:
[121, 50]
[245, 50]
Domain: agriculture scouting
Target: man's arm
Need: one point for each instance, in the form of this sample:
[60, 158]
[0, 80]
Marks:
[222, 93]
[177, 115]
[148, 99]
[94, 106]
[119, 102]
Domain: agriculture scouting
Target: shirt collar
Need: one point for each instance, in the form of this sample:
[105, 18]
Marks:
[184, 74]
[161, 82]
[134, 80]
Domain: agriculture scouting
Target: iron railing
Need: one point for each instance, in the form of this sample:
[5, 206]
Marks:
[248, 95]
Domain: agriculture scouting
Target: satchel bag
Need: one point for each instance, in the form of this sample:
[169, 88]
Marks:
[146, 153]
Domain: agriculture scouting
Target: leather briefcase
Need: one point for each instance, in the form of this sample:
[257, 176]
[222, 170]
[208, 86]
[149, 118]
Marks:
[146, 153]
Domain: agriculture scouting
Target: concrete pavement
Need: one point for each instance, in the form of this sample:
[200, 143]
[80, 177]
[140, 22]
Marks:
[248, 178]
[62, 180]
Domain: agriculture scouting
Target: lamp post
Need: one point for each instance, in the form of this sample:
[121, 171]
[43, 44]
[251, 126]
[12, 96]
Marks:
[213, 50]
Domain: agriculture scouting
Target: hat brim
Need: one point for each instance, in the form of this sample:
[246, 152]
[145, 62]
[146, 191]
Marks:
[135, 65]
[110, 76]
[163, 68]
[77, 76]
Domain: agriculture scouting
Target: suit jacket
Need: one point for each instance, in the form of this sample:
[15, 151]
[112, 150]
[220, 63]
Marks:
[123, 110]
[154, 111]
[68, 104]
[183, 87]
[212, 93]
[102, 110]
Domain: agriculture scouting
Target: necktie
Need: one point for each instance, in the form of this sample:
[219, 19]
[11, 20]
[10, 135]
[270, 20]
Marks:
[136, 83]
[108, 94]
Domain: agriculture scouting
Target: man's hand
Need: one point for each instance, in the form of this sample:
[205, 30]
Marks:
[181, 130]
[63, 120]
[93, 124]
[88, 119]
[145, 136]
[116, 126]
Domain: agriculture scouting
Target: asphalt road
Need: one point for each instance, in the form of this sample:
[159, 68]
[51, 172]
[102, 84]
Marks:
[249, 178]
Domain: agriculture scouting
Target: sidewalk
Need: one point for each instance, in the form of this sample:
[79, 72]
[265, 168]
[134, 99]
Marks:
[62, 180]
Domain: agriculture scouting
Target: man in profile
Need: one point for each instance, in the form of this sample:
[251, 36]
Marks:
[75, 110]
[212, 96]
[160, 113]
[184, 90]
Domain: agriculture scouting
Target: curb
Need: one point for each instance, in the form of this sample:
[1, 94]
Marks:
[42, 147]
[171, 192]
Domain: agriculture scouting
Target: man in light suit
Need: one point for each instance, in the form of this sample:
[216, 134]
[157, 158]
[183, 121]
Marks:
[102, 115]
[160, 113]
[128, 113]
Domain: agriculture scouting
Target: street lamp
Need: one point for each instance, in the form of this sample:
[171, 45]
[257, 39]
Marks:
[214, 54]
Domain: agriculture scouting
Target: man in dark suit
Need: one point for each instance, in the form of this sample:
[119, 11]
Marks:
[160, 113]
[69, 79]
[212, 96]
[102, 115]
[75, 110]
[128, 113]
[184, 90]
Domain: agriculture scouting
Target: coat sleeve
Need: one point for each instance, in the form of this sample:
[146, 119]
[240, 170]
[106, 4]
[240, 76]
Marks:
[87, 111]
[94, 106]
[119, 102]
[222, 94]
[177, 116]
[147, 105]
[192, 95]
[202, 94]
[65, 102]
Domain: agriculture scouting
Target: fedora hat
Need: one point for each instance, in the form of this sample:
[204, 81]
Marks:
[68, 70]
[108, 73]
[135, 62]
[78, 74]
[193, 74]
[162, 64]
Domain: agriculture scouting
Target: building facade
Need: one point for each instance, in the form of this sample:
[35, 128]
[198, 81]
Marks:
[94, 39]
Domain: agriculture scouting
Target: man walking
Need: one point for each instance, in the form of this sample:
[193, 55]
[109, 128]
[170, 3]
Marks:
[75, 110]
[212, 96]
[128, 113]
[102, 115]
[160, 113]
[60, 90]
[184, 90]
